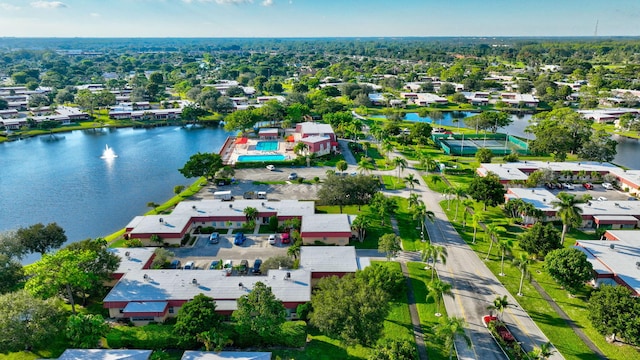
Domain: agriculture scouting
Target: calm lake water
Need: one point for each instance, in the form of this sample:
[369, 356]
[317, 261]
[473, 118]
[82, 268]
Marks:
[63, 178]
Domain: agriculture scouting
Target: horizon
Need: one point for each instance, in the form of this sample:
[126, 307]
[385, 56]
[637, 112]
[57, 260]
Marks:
[315, 19]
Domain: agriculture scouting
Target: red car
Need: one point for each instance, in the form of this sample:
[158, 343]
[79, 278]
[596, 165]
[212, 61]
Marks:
[588, 186]
[285, 238]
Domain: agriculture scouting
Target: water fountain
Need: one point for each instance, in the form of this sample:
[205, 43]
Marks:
[108, 153]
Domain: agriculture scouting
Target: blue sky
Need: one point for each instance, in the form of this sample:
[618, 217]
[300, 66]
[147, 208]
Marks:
[317, 18]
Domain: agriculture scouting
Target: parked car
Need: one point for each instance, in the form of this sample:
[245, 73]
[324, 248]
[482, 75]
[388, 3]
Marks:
[239, 239]
[292, 176]
[214, 265]
[175, 264]
[588, 186]
[189, 266]
[271, 167]
[607, 186]
[602, 198]
[228, 264]
[214, 238]
[272, 239]
[568, 186]
[244, 267]
[285, 238]
[256, 267]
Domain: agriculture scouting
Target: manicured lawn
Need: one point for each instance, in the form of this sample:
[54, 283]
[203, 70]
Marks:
[393, 182]
[374, 232]
[556, 329]
[408, 227]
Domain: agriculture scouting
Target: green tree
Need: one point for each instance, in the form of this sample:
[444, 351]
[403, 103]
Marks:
[613, 311]
[544, 351]
[476, 220]
[505, 245]
[436, 291]
[85, 331]
[195, 317]
[214, 339]
[600, 147]
[202, 164]
[178, 189]
[341, 165]
[432, 252]
[28, 322]
[559, 132]
[259, 313]
[459, 193]
[360, 225]
[540, 239]
[349, 308]
[240, 120]
[448, 330]
[568, 211]
[383, 206]
[394, 350]
[250, 213]
[492, 233]
[569, 267]
[276, 262]
[401, 164]
[487, 190]
[499, 304]
[522, 263]
[420, 212]
[41, 239]
[488, 120]
[11, 274]
[484, 155]
[412, 181]
[390, 245]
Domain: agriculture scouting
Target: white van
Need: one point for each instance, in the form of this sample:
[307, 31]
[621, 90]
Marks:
[607, 186]
[223, 195]
[261, 194]
[189, 266]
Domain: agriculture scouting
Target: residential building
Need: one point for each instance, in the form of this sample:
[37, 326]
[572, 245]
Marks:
[333, 229]
[424, 99]
[226, 355]
[105, 354]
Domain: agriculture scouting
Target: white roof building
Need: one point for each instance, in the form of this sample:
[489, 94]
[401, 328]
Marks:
[134, 258]
[105, 354]
[328, 259]
[225, 355]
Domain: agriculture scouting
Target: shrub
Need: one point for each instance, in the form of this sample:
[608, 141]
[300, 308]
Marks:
[513, 157]
[185, 239]
[303, 311]
[207, 230]
[292, 334]
[273, 223]
[134, 243]
[142, 337]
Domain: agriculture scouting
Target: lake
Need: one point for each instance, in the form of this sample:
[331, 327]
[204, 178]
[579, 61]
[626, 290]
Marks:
[63, 179]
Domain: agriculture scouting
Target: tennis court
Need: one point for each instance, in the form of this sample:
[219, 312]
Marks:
[499, 144]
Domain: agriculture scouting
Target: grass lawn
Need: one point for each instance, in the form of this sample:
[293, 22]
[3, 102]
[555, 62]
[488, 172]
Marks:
[556, 329]
[408, 227]
[393, 182]
[375, 230]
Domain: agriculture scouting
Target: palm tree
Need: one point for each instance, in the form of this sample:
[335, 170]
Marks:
[427, 163]
[364, 165]
[414, 200]
[365, 147]
[476, 219]
[522, 263]
[492, 231]
[448, 330]
[300, 148]
[506, 245]
[420, 212]
[360, 225]
[459, 193]
[250, 213]
[437, 289]
[387, 147]
[569, 213]
[411, 181]
[434, 252]
[544, 351]
[294, 250]
[499, 304]
[401, 164]
[448, 192]
[467, 203]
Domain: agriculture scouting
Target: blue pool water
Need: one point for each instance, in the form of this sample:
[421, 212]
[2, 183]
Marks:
[259, 158]
[267, 145]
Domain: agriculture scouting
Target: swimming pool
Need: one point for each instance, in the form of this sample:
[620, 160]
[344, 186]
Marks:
[261, 158]
[267, 145]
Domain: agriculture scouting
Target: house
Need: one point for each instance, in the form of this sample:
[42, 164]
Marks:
[324, 261]
[134, 258]
[155, 295]
[189, 215]
[610, 214]
[515, 99]
[13, 124]
[477, 98]
[265, 99]
[225, 355]
[268, 133]
[318, 145]
[333, 229]
[615, 262]
[105, 354]
[377, 99]
[424, 99]
[519, 171]
[311, 128]
[540, 198]
[607, 115]
[9, 114]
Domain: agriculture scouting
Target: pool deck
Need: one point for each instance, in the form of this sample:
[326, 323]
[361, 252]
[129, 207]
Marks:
[230, 151]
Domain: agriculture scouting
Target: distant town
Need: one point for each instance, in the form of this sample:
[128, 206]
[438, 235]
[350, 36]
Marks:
[370, 202]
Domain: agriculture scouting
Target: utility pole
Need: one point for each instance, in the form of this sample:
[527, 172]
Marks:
[595, 33]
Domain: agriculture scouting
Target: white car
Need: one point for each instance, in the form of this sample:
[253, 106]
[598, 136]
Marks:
[272, 239]
[271, 167]
[568, 186]
[607, 186]
[602, 198]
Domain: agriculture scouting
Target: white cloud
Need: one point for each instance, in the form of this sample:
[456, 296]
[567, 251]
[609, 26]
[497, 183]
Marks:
[95, 15]
[226, 2]
[8, 7]
[48, 4]
[267, 2]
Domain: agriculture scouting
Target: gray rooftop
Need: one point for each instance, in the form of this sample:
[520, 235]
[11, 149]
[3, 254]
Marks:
[611, 208]
[168, 224]
[101, 354]
[325, 223]
[328, 258]
[626, 235]
[202, 355]
[539, 197]
[621, 260]
[315, 128]
[512, 171]
[216, 207]
[164, 285]
[137, 257]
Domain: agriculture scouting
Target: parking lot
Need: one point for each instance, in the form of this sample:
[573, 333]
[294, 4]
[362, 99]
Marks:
[598, 192]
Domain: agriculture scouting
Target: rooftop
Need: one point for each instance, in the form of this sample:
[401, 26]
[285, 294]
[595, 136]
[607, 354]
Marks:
[516, 170]
[216, 207]
[610, 208]
[100, 354]
[325, 223]
[328, 258]
[201, 355]
[132, 258]
[539, 197]
[167, 285]
[315, 128]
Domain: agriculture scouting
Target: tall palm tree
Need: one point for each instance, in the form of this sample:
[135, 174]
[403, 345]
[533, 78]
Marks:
[364, 165]
[506, 245]
[250, 213]
[387, 147]
[414, 200]
[401, 164]
[467, 204]
[522, 262]
[360, 225]
[427, 163]
[569, 213]
[477, 219]
[412, 182]
[499, 304]
[492, 232]
[448, 330]
[437, 289]
[448, 192]
[434, 252]
[459, 193]
[420, 212]
[365, 147]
